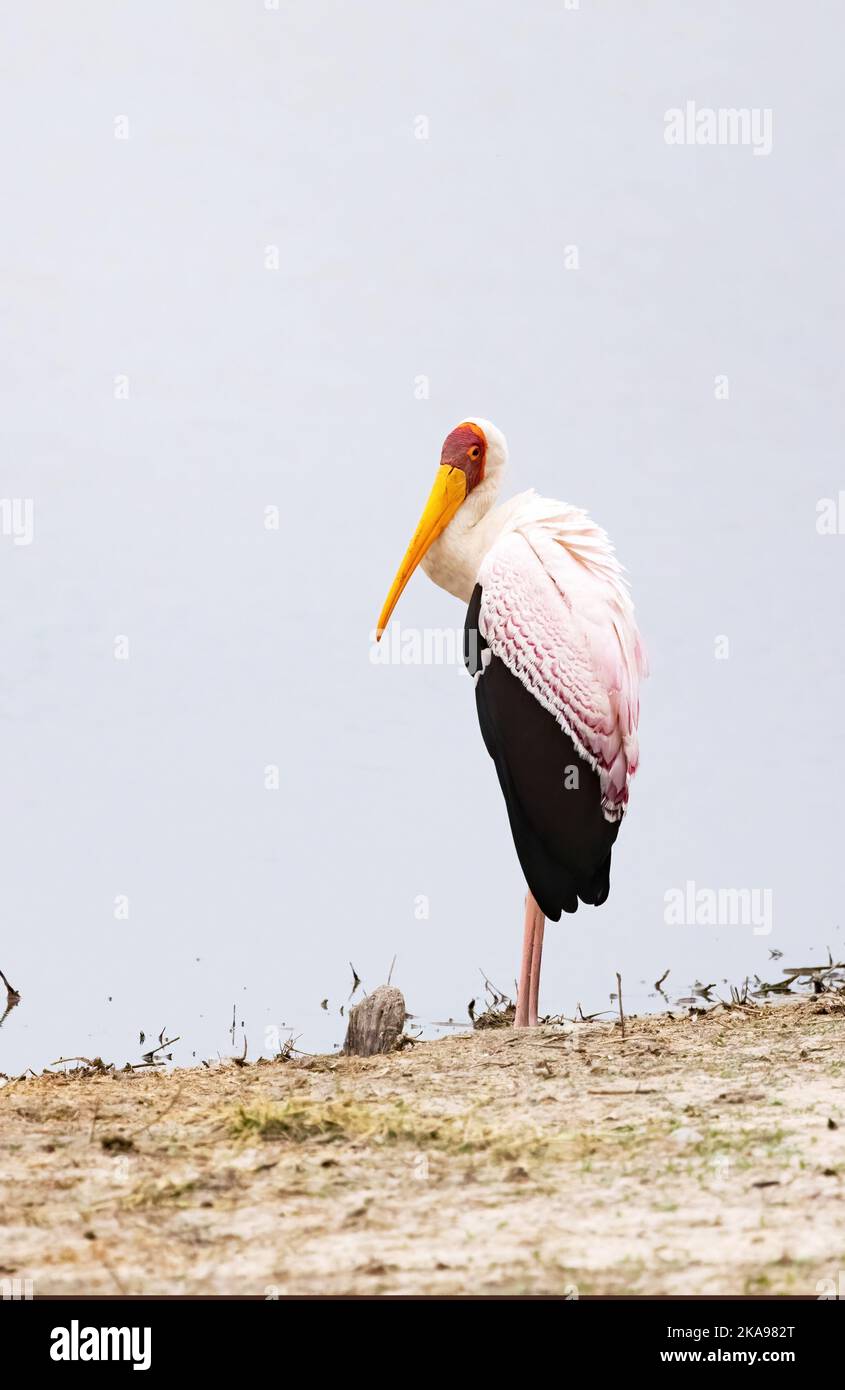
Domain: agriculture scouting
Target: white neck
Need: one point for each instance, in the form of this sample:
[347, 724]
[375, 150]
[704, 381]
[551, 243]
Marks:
[455, 558]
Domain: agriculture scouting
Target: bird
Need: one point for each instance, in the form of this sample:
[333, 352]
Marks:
[552, 643]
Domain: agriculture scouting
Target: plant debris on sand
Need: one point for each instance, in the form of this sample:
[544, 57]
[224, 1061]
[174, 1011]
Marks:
[702, 1154]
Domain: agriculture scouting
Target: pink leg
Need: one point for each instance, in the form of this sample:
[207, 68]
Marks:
[536, 958]
[528, 991]
[524, 986]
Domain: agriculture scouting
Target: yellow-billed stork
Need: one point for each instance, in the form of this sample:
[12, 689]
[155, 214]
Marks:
[552, 643]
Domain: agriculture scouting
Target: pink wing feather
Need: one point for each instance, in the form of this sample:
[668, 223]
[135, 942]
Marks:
[556, 610]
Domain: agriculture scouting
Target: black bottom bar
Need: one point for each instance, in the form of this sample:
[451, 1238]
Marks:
[233, 1336]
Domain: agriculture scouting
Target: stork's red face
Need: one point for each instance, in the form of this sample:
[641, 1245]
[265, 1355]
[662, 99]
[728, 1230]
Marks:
[462, 460]
[465, 448]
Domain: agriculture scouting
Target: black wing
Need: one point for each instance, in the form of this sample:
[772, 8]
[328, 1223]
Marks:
[552, 794]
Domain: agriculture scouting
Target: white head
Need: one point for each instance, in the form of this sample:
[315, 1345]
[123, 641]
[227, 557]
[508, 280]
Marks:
[494, 443]
[472, 462]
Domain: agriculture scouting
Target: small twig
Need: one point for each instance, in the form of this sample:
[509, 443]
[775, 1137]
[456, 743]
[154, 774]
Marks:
[588, 1018]
[390, 971]
[91, 1062]
[12, 998]
[494, 989]
[163, 1042]
[619, 993]
[637, 1091]
[12, 992]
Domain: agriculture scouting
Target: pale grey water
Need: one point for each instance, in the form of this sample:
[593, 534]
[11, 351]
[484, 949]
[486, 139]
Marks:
[250, 387]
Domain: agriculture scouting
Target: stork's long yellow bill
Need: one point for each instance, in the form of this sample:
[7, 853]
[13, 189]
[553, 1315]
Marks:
[449, 491]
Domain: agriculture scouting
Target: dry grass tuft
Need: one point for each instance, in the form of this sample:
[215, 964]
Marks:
[299, 1121]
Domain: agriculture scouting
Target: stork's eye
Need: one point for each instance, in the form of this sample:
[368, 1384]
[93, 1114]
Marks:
[474, 452]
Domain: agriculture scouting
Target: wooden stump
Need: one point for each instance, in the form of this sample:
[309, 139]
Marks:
[376, 1023]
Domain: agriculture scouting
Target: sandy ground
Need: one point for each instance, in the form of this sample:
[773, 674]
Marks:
[699, 1155]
